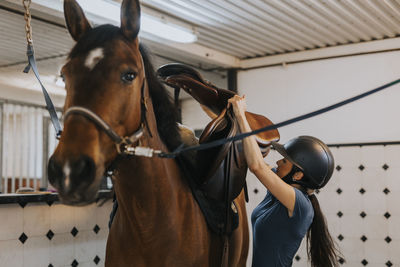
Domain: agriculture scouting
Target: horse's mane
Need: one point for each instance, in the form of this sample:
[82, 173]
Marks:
[164, 109]
[165, 112]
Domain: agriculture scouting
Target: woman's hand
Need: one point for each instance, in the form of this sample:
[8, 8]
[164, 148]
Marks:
[238, 104]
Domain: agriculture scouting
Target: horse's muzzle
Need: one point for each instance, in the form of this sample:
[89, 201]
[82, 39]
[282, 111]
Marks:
[73, 180]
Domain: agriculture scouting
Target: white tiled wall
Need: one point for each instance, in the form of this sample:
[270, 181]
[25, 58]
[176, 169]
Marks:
[348, 201]
[35, 220]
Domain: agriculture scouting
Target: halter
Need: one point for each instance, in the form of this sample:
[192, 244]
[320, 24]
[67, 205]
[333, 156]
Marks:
[124, 145]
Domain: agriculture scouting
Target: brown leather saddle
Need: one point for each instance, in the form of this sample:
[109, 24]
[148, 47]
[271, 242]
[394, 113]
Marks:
[221, 171]
[180, 76]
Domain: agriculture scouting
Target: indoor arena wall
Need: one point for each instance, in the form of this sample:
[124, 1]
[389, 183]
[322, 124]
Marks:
[360, 201]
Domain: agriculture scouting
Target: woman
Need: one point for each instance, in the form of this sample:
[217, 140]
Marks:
[290, 210]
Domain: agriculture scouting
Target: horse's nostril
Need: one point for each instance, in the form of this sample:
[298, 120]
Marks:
[55, 171]
[83, 169]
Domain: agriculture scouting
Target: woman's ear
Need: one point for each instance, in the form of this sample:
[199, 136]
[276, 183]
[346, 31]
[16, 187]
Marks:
[75, 19]
[297, 176]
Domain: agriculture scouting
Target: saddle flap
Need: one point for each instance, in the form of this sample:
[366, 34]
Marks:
[223, 168]
[209, 160]
[216, 125]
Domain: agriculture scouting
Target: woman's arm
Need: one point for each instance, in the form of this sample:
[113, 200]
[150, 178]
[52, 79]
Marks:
[281, 190]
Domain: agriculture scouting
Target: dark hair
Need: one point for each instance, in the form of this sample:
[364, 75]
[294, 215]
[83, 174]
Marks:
[321, 248]
[165, 112]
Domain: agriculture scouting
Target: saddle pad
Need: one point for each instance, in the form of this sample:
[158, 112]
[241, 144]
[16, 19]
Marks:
[221, 219]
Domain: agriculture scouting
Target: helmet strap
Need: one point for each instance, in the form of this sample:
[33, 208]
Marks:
[288, 178]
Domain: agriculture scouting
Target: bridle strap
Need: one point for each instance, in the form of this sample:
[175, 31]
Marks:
[102, 124]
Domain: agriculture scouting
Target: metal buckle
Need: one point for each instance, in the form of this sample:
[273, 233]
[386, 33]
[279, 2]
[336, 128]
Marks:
[124, 148]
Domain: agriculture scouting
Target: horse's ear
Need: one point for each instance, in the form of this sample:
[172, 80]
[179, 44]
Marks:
[75, 19]
[130, 18]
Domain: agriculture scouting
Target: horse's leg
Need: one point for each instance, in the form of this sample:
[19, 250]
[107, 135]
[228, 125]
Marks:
[239, 241]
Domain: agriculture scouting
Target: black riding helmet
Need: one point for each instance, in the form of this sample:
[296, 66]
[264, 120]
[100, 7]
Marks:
[312, 157]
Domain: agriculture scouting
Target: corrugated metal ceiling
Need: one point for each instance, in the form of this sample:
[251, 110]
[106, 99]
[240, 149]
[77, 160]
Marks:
[255, 28]
[240, 29]
[50, 41]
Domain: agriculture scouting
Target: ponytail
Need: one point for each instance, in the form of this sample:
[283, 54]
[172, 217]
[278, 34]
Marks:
[321, 249]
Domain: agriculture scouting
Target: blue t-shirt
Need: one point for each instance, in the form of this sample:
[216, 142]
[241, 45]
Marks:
[276, 236]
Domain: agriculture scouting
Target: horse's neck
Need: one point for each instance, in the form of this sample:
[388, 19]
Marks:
[148, 188]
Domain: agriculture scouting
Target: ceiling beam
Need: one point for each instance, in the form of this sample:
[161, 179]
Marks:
[323, 53]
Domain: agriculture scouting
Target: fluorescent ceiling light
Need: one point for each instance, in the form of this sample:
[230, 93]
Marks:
[154, 24]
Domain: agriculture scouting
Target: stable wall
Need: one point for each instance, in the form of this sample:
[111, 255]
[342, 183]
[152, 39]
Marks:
[53, 235]
[286, 91]
[361, 200]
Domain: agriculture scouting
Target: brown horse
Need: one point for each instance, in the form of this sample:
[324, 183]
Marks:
[158, 222]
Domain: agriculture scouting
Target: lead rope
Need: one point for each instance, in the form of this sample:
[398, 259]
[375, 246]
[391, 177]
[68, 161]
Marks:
[32, 64]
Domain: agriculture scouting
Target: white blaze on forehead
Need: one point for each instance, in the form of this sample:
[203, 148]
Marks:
[94, 57]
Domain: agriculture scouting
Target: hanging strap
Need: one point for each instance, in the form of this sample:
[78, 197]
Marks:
[49, 104]
[32, 64]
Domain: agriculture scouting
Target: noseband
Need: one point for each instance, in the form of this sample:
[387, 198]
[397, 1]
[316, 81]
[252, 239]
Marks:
[124, 145]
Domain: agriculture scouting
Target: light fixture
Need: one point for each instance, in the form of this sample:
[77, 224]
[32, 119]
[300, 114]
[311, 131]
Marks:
[152, 23]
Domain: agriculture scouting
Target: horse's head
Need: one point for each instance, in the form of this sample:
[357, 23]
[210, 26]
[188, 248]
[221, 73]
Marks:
[104, 74]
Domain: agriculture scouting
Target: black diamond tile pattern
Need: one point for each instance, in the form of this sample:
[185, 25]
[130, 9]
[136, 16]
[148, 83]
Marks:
[363, 214]
[22, 204]
[96, 229]
[50, 234]
[74, 263]
[362, 191]
[385, 166]
[297, 258]
[23, 237]
[341, 260]
[339, 191]
[361, 167]
[339, 214]
[389, 264]
[340, 237]
[74, 231]
[96, 259]
[338, 168]
[388, 239]
[386, 191]
[364, 262]
[255, 191]
[364, 238]
[387, 215]
[50, 265]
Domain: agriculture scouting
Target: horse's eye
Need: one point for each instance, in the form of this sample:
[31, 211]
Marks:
[128, 77]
